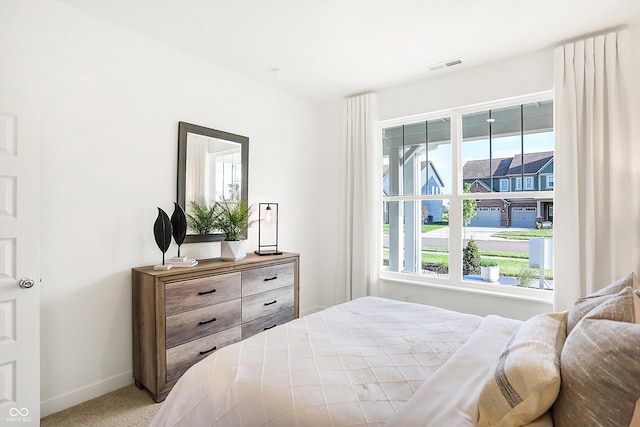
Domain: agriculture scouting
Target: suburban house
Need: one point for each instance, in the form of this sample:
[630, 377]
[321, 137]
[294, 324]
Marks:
[528, 172]
[430, 183]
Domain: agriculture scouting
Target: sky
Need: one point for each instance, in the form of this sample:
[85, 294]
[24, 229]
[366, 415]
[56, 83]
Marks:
[479, 149]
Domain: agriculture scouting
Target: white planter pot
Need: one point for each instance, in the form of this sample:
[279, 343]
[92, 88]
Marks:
[490, 274]
[232, 250]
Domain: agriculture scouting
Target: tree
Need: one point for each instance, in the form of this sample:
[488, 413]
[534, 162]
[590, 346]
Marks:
[471, 258]
[468, 207]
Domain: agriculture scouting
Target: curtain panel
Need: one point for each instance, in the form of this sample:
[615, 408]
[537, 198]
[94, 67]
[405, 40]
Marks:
[597, 216]
[362, 205]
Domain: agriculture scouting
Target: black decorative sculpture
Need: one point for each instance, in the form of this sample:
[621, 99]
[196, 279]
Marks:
[179, 224]
[162, 232]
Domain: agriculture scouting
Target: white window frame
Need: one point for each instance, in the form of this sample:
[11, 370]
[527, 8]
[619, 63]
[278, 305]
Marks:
[519, 183]
[455, 197]
[504, 183]
[528, 183]
[550, 181]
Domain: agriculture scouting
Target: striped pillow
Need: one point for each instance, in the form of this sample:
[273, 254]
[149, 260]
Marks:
[526, 379]
[601, 367]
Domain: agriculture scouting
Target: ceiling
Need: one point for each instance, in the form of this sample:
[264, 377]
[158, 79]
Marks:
[335, 48]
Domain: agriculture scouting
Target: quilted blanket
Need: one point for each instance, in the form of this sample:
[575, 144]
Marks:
[354, 364]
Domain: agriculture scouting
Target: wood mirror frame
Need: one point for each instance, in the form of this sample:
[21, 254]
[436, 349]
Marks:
[184, 130]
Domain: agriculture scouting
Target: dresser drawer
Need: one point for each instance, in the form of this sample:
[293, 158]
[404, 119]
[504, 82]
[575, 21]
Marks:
[263, 279]
[267, 322]
[180, 358]
[266, 303]
[200, 292]
[194, 324]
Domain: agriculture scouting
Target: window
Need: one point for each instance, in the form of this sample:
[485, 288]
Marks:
[429, 219]
[528, 183]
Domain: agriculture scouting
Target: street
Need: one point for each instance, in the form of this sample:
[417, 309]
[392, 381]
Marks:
[482, 236]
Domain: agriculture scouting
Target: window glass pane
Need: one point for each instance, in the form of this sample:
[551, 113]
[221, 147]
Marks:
[393, 236]
[417, 158]
[392, 148]
[416, 237]
[508, 143]
[518, 250]
[436, 174]
[414, 157]
[476, 171]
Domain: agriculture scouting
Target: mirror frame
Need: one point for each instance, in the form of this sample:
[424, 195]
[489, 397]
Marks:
[183, 130]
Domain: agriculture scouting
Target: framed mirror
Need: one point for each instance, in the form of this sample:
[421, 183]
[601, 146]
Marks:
[212, 166]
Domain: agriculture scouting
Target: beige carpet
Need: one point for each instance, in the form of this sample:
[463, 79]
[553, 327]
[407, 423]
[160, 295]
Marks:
[128, 406]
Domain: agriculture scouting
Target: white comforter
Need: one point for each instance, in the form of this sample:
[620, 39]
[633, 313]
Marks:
[357, 363]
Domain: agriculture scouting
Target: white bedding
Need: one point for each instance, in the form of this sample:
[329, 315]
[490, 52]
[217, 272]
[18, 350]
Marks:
[357, 363]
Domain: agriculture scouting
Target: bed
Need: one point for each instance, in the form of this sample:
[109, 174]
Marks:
[377, 362]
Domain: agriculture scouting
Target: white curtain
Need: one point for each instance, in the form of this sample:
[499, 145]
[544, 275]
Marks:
[196, 170]
[363, 208]
[596, 215]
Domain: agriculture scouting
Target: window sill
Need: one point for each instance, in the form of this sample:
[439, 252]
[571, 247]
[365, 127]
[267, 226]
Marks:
[502, 291]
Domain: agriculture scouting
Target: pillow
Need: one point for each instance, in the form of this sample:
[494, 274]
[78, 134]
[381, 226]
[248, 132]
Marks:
[600, 367]
[585, 304]
[525, 381]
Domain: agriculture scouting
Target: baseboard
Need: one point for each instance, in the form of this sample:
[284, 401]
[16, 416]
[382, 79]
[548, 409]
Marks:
[311, 310]
[75, 397]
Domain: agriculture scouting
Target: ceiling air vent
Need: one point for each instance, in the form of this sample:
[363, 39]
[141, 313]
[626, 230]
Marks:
[445, 64]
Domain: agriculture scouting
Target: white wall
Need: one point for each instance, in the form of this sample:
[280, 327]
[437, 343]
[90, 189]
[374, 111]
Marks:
[109, 102]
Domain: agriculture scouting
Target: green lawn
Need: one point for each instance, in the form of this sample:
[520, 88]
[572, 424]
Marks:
[510, 262]
[523, 235]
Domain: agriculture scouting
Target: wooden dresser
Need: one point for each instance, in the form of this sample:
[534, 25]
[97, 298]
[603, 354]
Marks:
[182, 315]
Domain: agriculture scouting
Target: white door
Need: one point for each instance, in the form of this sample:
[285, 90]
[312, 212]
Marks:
[19, 263]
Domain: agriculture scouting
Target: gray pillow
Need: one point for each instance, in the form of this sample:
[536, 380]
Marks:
[584, 305]
[600, 366]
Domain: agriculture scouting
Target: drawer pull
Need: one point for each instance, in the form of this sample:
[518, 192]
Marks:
[272, 302]
[208, 292]
[208, 351]
[267, 279]
[208, 321]
[270, 327]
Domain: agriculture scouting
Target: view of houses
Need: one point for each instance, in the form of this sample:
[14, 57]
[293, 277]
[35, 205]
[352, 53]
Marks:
[528, 172]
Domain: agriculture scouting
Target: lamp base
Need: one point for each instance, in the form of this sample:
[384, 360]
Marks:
[263, 253]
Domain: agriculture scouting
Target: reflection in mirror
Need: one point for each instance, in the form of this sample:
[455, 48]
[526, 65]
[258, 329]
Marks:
[213, 169]
[212, 166]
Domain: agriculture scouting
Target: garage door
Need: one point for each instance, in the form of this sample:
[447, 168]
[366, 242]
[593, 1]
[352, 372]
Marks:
[486, 217]
[523, 217]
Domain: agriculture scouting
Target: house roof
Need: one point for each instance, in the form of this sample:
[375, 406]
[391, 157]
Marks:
[435, 171]
[533, 162]
[385, 170]
[506, 166]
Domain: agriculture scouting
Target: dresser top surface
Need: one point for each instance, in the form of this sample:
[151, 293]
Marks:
[251, 260]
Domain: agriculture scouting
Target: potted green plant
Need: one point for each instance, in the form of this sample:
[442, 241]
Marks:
[232, 218]
[489, 270]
